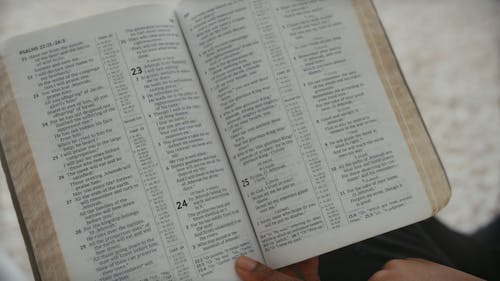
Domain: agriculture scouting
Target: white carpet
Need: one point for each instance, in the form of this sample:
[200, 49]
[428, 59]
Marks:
[449, 51]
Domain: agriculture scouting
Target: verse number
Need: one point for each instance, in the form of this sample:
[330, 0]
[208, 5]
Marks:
[245, 182]
[181, 204]
[136, 70]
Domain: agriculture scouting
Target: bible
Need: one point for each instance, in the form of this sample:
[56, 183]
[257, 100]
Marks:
[161, 143]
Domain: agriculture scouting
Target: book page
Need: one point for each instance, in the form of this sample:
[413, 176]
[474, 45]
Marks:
[134, 173]
[318, 154]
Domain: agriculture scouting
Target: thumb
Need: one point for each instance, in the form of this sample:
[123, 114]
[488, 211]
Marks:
[250, 270]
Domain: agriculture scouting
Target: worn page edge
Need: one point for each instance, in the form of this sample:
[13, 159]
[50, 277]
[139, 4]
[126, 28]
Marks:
[26, 189]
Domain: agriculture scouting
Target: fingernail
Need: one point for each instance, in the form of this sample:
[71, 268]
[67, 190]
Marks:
[245, 263]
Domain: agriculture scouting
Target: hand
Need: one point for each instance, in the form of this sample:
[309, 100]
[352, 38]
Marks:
[250, 270]
[419, 269]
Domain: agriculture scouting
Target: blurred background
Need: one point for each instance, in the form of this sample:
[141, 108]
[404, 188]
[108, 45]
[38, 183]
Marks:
[449, 51]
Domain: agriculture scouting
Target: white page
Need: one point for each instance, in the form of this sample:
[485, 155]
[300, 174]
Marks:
[134, 172]
[315, 146]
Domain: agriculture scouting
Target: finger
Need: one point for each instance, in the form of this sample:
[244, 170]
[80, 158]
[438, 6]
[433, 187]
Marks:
[381, 275]
[309, 269]
[289, 270]
[419, 260]
[250, 270]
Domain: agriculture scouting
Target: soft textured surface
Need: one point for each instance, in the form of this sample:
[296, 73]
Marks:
[450, 54]
[449, 51]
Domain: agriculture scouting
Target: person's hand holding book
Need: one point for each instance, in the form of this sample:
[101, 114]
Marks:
[419, 269]
[394, 270]
[251, 270]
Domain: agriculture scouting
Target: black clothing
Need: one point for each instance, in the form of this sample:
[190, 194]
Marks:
[478, 254]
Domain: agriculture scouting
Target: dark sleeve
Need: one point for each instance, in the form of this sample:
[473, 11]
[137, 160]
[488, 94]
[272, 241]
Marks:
[429, 239]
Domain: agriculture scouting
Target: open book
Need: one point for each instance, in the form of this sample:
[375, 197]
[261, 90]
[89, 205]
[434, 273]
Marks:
[160, 144]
